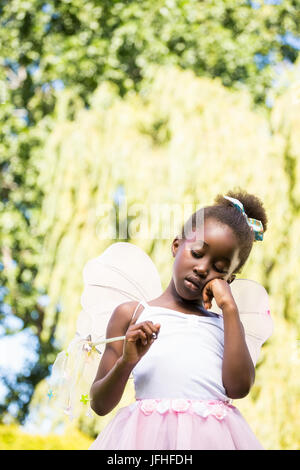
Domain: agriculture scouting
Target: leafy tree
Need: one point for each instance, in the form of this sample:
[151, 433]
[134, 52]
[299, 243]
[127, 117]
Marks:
[49, 45]
[180, 144]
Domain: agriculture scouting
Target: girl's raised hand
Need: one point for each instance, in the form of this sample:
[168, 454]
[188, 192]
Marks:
[138, 339]
[219, 290]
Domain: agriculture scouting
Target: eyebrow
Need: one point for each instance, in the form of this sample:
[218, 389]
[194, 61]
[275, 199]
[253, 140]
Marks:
[206, 244]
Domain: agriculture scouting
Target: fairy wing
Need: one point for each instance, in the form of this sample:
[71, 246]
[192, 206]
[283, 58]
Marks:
[123, 272]
[253, 304]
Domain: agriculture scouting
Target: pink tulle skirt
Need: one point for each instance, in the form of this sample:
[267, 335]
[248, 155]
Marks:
[171, 424]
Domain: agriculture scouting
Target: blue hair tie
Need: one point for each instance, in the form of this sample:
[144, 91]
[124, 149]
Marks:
[255, 225]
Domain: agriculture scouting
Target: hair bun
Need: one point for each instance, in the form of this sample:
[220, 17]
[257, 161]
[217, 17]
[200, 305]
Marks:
[253, 206]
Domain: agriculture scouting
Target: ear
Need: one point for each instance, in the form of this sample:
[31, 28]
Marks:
[175, 245]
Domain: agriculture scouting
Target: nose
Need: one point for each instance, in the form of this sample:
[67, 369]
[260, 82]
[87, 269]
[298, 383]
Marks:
[201, 269]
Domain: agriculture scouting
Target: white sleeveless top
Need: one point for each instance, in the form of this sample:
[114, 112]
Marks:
[185, 361]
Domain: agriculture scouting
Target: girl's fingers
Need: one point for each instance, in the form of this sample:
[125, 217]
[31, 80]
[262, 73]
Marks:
[207, 305]
[207, 297]
[148, 327]
[134, 335]
[146, 331]
[143, 337]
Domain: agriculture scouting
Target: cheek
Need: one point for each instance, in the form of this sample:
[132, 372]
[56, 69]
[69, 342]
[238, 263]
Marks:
[181, 263]
[176, 268]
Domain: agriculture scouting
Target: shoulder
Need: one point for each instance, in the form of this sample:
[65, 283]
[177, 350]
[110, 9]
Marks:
[123, 313]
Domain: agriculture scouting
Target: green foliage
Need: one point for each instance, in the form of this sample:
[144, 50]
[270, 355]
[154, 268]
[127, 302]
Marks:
[13, 438]
[79, 45]
[79, 42]
[216, 141]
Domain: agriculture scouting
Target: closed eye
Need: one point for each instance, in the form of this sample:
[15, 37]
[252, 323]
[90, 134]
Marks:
[199, 255]
[221, 271]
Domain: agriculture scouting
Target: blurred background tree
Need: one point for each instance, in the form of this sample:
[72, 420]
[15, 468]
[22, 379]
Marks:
[54, 56]
[191, 156]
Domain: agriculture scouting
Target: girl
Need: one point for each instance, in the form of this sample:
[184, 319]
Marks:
[188, 363]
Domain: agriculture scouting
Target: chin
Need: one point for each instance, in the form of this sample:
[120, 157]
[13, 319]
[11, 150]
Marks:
[188, 295]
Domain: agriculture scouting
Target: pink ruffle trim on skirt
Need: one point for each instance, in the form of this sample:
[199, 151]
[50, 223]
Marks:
[171, 424]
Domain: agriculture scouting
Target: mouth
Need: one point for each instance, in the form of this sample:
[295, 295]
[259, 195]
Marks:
[192, 283]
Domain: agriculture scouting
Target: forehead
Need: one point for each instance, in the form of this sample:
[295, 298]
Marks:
[218, 237]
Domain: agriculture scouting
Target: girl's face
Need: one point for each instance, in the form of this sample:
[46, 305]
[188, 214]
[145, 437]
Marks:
[203, 260]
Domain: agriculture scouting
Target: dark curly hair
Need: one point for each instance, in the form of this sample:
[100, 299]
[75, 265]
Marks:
[224, 212]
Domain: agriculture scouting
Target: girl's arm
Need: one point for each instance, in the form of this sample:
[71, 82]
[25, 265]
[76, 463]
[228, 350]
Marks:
[113, 372]
[238, 371]
[107, 392]
[120, 356]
